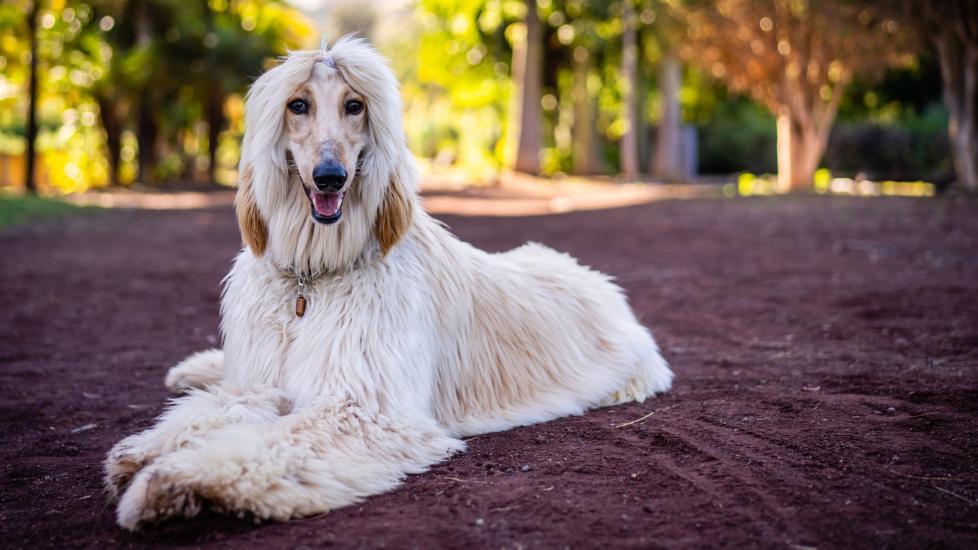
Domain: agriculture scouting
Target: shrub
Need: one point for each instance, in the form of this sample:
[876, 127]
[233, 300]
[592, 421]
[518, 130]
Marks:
[910, 148]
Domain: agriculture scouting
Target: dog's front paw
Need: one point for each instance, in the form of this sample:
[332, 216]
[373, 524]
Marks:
[123, 462]
[155, 494]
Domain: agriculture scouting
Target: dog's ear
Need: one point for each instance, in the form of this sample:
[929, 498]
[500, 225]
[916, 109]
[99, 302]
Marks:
[254, 232]
[395, 215]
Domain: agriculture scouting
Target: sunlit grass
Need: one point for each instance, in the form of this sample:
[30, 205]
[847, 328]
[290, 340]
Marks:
[21, 209]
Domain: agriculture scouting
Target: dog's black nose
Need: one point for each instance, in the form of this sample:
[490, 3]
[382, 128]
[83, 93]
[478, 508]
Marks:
[329, 176]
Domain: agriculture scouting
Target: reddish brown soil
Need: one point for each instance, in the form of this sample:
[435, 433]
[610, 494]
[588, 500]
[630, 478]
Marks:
[826, 353]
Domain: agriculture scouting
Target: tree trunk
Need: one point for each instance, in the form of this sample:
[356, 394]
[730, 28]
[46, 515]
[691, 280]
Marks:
[799, 151]
[113, 135]
[523, 131]
[188, 161]
[30, 160]
[147, 127]
[147, 133]
[804, 122]
[964, 148]
[585, 148]
[629, 140]
[668, 159]
[215, 124]
[959, 71]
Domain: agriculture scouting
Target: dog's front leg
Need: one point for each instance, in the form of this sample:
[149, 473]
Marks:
[314, 460]
[186, 421]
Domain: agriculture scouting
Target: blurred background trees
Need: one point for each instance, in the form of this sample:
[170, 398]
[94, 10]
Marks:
[150, 91]
[950, 29]
[795, 58]
[140, 90]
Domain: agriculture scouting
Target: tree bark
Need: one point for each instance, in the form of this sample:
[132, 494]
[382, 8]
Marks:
[524, 112]
[629, 60]
[959, 71]
[215, 125]
[668, 157]
[800, 148]
[786, 151]
[147, 125]
[951, 28]
[113, 135]
[29, 184]
[147, 134]
[586, 161]
[804, 123]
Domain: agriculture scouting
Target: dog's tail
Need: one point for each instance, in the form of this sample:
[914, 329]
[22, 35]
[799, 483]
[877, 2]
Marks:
[197, 371]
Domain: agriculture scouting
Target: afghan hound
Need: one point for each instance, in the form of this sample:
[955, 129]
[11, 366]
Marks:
[361, 339]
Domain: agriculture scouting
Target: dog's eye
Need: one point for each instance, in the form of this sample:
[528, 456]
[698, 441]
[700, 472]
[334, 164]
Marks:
[299, 106]
[353, 107]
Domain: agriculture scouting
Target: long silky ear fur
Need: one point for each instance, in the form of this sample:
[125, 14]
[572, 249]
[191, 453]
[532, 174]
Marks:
[254, 232]
[395, 215]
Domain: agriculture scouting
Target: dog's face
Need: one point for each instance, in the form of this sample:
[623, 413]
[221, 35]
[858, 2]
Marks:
[325, 171]
[326, 131]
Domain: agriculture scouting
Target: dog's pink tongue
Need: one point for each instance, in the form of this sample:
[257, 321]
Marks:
[326, 203]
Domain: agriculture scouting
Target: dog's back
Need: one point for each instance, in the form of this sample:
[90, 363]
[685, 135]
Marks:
[534, 336]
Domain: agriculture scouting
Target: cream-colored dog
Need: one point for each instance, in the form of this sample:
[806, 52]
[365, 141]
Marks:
[362, 340]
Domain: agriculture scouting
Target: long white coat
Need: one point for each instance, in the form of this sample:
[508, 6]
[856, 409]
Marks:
[400, 353]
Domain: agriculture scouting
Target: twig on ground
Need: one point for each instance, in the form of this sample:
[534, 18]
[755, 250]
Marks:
[922, 477]
[924, 414]
[84, 428]
[466, 480]
[505, 508]
[953, 494]
[637, 420]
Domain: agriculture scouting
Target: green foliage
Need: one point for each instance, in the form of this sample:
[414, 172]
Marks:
[103, 62]
[910, 89]
[908, 146]
[739, 135]
[456, 84]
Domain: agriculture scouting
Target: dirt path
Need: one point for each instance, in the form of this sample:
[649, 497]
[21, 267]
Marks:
[827, 391]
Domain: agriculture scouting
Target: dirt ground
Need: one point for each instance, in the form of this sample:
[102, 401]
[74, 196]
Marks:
[826, 352]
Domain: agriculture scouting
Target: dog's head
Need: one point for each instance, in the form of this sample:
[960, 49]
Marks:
[325, 170]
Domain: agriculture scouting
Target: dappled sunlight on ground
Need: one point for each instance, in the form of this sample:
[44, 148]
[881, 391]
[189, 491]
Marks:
[531, 197]
[517, 197]
[520, 195]
[182, 200]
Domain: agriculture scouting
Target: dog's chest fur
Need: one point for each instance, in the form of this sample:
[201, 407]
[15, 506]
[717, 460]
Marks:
[359, 333]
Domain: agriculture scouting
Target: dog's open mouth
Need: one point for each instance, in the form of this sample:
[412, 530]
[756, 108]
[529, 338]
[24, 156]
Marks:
[326, 207]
